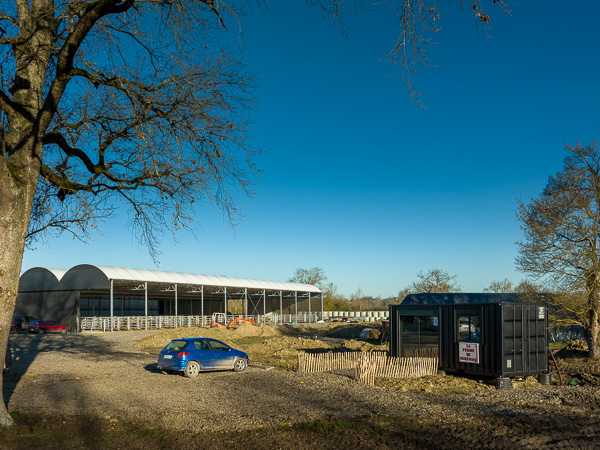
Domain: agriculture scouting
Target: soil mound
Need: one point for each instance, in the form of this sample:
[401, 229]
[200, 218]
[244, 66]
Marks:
[574, 349]
[245, 330]
[363, 346]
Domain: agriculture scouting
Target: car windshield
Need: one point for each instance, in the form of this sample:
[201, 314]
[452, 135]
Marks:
[35, 322]
[176, 345]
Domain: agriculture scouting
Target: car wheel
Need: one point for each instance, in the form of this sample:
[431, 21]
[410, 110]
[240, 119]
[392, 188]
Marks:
[63, 331]
[239, 365]
[40, 331]
[191, 369]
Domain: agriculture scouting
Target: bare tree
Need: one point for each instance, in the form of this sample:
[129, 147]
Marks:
[565, 309]
[99, 114]
[498, 287]
[403, 293]
[332, 300]
[418, 21]
[315, 276]
[561, 229]
[434, 280]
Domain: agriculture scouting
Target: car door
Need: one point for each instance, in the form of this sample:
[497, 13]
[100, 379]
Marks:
[204, 354]
[222, 355]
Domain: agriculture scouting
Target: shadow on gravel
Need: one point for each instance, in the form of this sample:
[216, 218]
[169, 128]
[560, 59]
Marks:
[152, 368]
[26, 348]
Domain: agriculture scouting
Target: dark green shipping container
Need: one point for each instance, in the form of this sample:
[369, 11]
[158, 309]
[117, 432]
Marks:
[495, 335]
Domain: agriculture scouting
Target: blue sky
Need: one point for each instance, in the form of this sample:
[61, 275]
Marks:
[362, 182]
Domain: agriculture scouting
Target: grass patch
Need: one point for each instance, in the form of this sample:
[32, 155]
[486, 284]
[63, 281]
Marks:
[557, 345]
[299, 330]
[75, 432]
[49, 432]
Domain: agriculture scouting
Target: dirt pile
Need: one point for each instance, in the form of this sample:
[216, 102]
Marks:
[449, 384]
[438, 385]
[281, 352]
[352, 331]
[574, 349]
[245, 330]
[363, 346]
[575, 366]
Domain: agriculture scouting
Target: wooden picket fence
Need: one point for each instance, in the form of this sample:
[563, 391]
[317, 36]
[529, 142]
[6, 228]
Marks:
[322, 362]
[369, 365]
[375, 366]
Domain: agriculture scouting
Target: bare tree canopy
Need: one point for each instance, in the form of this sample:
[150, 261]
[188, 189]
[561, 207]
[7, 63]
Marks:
[434, 280]
[315, 276]
[561, 234]
[418, 21]
[499, 287]
[156, 119]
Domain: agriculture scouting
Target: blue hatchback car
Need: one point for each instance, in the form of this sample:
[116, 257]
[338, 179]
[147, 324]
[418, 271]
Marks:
[192, 355]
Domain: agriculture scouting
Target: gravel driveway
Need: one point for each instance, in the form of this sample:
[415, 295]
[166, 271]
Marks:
[104, 375]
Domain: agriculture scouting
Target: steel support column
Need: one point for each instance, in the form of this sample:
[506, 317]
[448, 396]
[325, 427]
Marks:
[264, 307]
[245, 308]
[225, 304]
[176, 305]
[112, 316]
[202, 303]
[322, 315]
[146, 304]
[296, 303]
[281, 307]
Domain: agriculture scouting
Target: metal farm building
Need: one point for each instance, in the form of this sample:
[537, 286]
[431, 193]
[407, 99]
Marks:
[89, 297]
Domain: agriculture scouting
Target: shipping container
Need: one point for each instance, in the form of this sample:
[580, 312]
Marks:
[488, 335]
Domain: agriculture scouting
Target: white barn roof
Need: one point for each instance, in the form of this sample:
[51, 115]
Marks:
[86, 276]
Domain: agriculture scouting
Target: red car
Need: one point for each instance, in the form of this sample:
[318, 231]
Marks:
[46, 326]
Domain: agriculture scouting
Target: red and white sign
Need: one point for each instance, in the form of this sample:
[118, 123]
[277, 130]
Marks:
[468, 352]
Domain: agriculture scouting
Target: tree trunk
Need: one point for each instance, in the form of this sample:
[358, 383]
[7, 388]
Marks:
[594, 332]
[18, 180]
[21, 153]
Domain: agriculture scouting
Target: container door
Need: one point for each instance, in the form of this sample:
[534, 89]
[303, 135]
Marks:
[469, 342]
[536, 337]
[512, 340]
[524, 340]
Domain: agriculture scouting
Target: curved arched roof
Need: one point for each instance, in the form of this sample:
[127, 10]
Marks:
[40, 279]
[86, 276]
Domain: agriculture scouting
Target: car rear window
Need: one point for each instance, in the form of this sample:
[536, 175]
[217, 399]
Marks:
[176, 345]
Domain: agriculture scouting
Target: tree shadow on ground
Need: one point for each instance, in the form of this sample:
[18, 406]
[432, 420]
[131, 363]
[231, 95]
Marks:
[26, 348]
